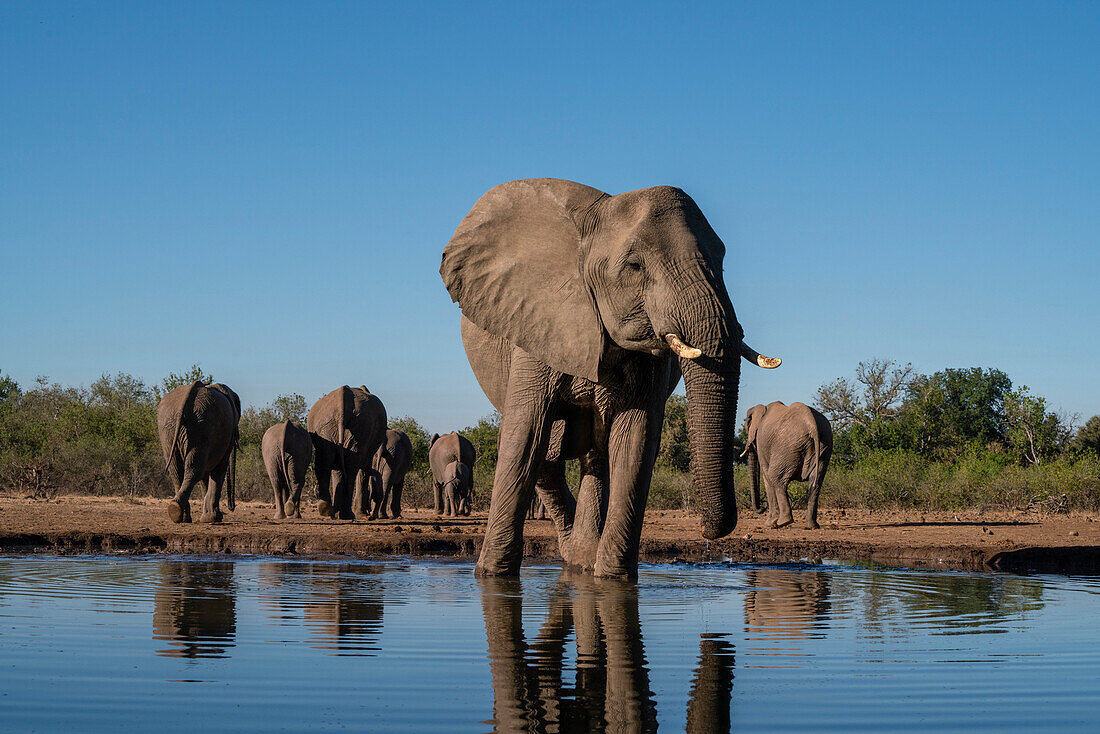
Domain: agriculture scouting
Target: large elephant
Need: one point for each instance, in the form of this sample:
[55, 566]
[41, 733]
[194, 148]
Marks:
[287, 450]
[452, 461]
[787, 443]
[198, 426]
[580, 312]
[391, 464]
[347, 427]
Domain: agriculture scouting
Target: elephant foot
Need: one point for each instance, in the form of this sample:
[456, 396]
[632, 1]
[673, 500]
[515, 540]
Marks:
[614, 572]
[493, 571]
[215, 516]
[345, 515]
[291, 509]
[324, 507]
[812, 525]
[782, 522]
[177, 514]
[278, 516]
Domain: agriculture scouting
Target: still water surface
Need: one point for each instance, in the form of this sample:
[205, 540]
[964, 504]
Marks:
[194, 644]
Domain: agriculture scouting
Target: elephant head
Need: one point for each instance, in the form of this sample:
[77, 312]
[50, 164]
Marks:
[578, 279]
[753, 421]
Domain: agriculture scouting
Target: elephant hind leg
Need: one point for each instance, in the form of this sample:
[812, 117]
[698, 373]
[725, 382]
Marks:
[179, 508]
[781, 517]
[211, 505]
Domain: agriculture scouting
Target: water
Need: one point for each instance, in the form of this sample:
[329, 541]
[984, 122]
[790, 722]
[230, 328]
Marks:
[198, 644]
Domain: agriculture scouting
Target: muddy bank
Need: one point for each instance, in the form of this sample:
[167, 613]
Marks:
[971, 541]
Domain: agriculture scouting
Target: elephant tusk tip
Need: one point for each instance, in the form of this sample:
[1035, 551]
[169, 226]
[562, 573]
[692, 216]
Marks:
[768, 363]
[681, 349]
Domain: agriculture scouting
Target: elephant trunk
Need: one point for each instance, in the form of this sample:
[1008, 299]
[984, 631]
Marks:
[711, 382]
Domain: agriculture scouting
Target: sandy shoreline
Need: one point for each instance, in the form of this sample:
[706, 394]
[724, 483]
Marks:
[972, 540]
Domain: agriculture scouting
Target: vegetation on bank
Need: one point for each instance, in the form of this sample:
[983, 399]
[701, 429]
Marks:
[951, 440]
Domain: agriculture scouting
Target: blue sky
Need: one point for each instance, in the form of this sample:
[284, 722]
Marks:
[266, 188]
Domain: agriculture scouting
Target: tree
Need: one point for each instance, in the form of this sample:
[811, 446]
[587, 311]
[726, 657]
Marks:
[172, 381]
[483, 435]
[1033, 433]
[1088, 438]
[865, 413]
[675, 449]
[290, 407]
[419, 439]
[955, 408]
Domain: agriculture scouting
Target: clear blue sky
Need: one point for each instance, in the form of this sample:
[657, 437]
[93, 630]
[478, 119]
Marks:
[266, 188]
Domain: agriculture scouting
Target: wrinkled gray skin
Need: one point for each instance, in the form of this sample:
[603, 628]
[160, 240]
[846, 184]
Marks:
[198, 429]
[347, 426]
[787, 443]
[452, 461]
[391, 464]
[567, 296]
[287, 450]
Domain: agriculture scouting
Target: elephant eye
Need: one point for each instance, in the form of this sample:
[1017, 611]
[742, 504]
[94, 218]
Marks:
[635, 265]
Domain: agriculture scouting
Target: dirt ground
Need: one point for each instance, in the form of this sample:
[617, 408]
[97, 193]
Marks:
[973, 540]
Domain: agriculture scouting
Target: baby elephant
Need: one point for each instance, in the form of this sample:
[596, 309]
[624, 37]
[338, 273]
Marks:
[287, 451]
[787, 443]
[452, 461]
[391, 464]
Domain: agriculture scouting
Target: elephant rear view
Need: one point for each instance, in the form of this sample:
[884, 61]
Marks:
[198, 429]
[452, 460]
[287, 450]
[347, 426]
[787, 443]
[391, 464]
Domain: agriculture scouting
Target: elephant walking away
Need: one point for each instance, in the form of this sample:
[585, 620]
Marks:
[584, 309]
[198, 426]
[787, 443]
[391, 464]
[452, 461]
[347, 426]
[287, 450]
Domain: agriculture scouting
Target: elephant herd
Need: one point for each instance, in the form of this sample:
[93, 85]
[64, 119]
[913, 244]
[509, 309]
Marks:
[581, 312]
[360, 464]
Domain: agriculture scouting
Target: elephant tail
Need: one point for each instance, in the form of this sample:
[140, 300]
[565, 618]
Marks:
[187, 407]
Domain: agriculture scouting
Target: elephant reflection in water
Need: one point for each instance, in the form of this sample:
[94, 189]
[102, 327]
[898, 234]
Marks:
[195, 609]
[785, 603]
[611, 691]
[341, 608]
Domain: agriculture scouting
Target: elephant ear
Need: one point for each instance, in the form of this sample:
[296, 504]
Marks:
[752, 424]
[514, 266]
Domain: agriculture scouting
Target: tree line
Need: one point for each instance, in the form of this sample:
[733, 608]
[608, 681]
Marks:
[955, 438]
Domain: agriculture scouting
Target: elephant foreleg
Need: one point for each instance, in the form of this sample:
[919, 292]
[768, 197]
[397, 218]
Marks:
[584, 539]
[632, 449]
[524, 433]
[557, 501]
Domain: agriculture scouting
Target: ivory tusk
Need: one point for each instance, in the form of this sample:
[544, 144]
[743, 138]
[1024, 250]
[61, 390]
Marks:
[745, 452]
[681, 349]
[768, 363]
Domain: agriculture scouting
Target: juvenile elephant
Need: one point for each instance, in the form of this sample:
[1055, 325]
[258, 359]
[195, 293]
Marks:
[452, 460]
[391, 464]
[582, 310]
[787, 443]
[198, 429]
[347, 426]
[287, 450]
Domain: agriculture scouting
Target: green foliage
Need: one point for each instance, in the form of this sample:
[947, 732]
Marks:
[675, 451]
[1087, 439]
[483, 435]
[172, 381]
[954, 408]
[1032, 433]
[419, 439]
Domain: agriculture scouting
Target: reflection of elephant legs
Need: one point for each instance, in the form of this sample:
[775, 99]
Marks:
[630, 704]
[712, 689]
[211, 505]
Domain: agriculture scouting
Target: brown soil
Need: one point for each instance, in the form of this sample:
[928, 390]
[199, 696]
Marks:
[973, 540]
